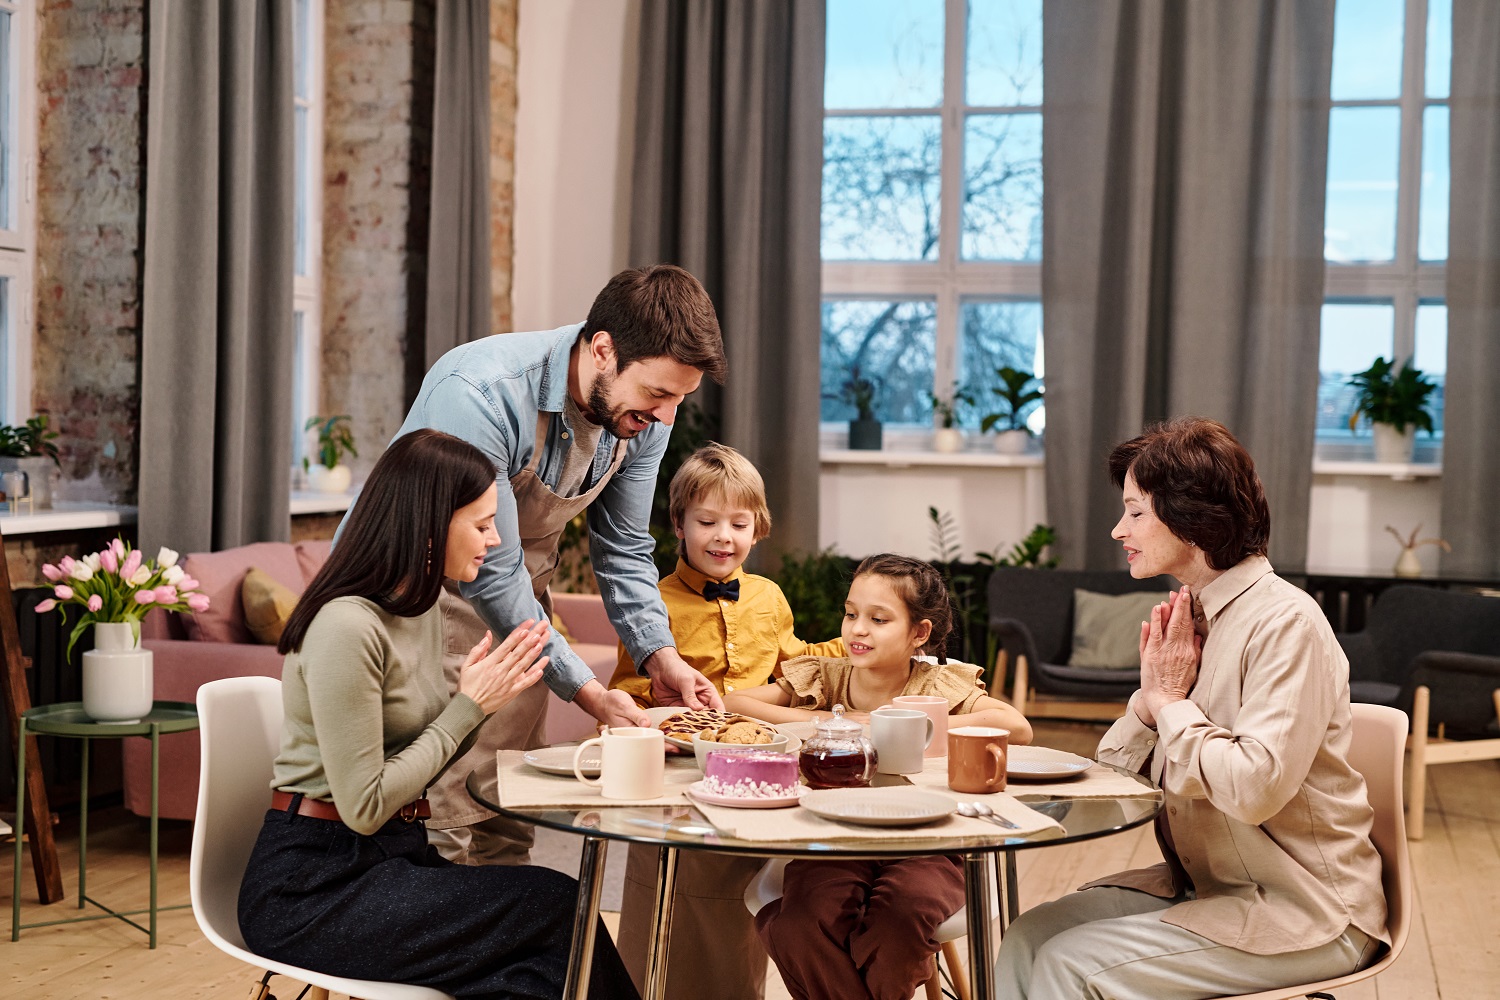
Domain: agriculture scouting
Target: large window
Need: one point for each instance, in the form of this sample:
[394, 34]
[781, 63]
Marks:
[1386, 225]
[932, 200]
[17, 187]
[307, 251]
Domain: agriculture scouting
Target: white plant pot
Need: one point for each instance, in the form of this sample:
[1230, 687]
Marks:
[1012, 442]
[1392, 446]
[322, 479]
[948, 439]
[1407, 564]
[117, 684]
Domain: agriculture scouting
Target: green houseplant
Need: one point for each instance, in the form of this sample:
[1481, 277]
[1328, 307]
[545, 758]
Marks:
[335, 437]
[1017, 399]
[861, 392]
[31, 449]
[1396, 405]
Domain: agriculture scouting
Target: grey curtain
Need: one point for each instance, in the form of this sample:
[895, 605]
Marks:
[727, 183]
[458, 246]
[1471, 459]
[1184, 159]
[217, 339]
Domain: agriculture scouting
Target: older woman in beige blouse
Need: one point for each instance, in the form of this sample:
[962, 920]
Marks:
[1270, 878]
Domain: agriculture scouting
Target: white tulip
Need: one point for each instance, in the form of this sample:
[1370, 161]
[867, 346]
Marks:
[142, 576]
[173, 574]
[82, 571]
[92, 559]
[166, 558]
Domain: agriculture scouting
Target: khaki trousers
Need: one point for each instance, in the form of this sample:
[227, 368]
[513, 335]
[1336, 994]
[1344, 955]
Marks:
[1111, 944]
[715, 952]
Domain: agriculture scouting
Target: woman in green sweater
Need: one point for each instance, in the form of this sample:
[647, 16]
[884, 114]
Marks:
[342, 879]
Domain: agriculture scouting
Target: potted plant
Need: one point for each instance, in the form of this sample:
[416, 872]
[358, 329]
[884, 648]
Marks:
[1017, 402]
[117, 587]
[330, 475]
[949, 435]
[1396, 403]
[29, 449]
[861, 392]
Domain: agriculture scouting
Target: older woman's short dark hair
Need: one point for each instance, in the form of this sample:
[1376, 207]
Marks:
[1202, 485]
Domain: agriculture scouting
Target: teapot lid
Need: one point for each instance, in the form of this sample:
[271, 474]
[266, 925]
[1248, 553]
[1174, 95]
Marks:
[838, 726]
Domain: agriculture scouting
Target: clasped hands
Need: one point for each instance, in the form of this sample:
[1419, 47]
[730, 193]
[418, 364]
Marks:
[1171, 652]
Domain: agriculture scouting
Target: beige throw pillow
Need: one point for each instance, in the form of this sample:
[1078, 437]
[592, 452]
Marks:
[268, 604]
[1107, 628]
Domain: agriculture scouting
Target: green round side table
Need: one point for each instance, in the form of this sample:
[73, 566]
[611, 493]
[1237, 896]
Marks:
[67, 719]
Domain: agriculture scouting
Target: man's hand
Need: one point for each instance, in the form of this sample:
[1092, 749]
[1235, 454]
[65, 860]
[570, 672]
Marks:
[673, 682]
[611, 708]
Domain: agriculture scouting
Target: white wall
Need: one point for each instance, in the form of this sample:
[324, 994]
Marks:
[575, 109]
[1346, 525]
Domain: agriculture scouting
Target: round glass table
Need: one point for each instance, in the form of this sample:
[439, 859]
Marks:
[682, 827]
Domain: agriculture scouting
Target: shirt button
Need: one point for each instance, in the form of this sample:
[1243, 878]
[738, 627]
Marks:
[728, 688]
[564, 435]
[1186, 860]
[1172, 810]
[728, 645]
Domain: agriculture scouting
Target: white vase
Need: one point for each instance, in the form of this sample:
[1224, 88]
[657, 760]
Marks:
[1407, 564]
[1394, 447]
[116, 675]
[322, 479]
[948, 440]
[1012, 442]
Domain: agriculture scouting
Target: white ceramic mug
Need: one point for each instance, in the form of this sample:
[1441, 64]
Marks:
[900, 735]
[633, 763]
[934, 708]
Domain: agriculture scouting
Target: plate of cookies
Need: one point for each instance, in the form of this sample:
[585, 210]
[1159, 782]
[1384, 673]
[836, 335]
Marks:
[683, 724]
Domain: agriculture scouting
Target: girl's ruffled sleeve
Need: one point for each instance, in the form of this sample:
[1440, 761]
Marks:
[802, 678]
[960, 683]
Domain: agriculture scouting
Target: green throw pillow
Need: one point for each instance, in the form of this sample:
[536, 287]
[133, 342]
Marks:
[1107, 628]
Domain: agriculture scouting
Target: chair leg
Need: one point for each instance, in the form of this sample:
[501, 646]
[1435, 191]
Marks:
[1019, 692]
[316, 993]
[956, 966]
[1416, 802]
[260, 991]
[933, 988]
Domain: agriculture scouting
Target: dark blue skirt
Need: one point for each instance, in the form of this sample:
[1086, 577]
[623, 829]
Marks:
[388, 907]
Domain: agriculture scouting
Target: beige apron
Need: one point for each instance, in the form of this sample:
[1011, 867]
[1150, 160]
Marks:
[541, 516]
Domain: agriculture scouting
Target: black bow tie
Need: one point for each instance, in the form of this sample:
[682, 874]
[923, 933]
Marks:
[729, 591]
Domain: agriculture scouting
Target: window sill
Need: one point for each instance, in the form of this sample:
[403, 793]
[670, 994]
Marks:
[63, 515]
[1397, 471]
[907, 458]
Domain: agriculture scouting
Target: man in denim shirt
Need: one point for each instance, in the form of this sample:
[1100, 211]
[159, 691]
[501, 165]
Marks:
[575, 419]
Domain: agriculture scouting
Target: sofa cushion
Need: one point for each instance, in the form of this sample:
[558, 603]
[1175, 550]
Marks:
[220, 575]
[1107, 628]
[267, 606]
[311, 555]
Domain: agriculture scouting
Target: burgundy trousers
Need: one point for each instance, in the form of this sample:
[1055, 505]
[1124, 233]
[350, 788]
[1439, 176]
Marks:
[847, 930]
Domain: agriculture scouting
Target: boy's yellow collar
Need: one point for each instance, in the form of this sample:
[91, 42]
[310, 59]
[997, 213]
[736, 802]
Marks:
[696, 580]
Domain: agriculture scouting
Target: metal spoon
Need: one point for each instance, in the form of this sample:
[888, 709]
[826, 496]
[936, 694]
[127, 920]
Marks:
[978, 810]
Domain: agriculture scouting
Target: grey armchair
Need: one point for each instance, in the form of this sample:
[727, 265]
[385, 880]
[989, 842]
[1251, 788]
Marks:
[1031, 614]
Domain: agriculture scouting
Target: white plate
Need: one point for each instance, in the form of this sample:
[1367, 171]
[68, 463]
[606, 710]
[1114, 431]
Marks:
[697, 791]
[559, 760]
[1043, 763]
[878, 806]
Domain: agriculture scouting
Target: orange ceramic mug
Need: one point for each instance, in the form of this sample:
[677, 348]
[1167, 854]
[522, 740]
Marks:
[976, 759]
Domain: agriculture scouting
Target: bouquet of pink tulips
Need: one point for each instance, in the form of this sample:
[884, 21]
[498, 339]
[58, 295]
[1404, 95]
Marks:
[118, 585]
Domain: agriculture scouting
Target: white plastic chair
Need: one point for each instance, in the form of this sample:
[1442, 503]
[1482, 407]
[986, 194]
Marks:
[766, 886]
[240, 720]
[1376, 752]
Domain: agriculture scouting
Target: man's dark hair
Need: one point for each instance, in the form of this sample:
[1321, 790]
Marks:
[660, 311]
[1202, 485]
[393, 547]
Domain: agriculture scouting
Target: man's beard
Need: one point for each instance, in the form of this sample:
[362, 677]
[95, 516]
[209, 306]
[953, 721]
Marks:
[611, 418]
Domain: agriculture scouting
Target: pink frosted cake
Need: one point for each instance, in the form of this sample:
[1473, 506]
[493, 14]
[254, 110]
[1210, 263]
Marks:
[750, 774]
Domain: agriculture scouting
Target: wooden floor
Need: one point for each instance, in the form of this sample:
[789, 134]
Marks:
[1454, 951]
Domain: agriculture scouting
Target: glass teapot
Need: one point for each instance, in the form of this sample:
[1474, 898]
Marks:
[838, 755]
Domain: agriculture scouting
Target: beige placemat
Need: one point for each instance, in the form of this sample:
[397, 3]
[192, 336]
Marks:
[522, 786]
[796, 823]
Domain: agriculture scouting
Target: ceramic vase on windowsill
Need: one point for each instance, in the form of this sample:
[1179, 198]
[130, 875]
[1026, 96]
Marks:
[117, 681]
[1392, 446]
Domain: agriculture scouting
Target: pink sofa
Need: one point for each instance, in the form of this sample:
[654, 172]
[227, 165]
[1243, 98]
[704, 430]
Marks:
[190, 650]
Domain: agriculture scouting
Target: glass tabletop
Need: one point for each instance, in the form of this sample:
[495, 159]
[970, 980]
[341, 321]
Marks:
[68, 718]
[684, 826]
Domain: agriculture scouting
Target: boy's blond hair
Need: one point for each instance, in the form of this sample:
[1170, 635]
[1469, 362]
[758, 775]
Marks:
[719, 469]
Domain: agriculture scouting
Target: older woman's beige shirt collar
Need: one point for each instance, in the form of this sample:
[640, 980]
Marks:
[1233, 582]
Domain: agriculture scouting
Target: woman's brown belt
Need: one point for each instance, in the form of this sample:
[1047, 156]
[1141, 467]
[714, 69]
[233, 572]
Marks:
[315, 809]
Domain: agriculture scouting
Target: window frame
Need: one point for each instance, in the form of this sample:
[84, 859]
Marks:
[18, 244]
[307, 289]
[950, 281]
[1407, 281]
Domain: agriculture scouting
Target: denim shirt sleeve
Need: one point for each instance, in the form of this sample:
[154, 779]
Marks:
[501, 594]
[620, 547]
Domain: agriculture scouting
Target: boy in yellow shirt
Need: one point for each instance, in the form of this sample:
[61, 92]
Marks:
[732, 626]
[736, 628]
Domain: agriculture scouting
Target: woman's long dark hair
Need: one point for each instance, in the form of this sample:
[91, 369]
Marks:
[392, 547]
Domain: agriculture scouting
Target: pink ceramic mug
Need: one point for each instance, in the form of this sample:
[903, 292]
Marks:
[934, 708]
